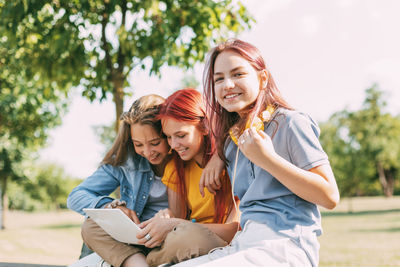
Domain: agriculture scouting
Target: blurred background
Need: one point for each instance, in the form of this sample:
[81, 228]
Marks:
[68, 69]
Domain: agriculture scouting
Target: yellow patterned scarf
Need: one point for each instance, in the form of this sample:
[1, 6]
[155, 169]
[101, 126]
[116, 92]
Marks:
[258, 123]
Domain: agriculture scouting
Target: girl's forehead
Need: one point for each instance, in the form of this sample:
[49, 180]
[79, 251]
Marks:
[171, 126]
[228, 60]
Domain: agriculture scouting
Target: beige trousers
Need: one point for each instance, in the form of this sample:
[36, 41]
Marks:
[111, 250]
[188, 240]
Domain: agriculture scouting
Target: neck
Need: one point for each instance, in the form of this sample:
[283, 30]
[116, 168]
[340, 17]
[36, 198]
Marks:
[159, 168]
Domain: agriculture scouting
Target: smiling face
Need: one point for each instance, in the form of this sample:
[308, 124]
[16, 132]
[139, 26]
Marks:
[185, 138]
[149, 144]
[237, 83]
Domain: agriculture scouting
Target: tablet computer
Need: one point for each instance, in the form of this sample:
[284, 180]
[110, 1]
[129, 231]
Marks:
[115, 223]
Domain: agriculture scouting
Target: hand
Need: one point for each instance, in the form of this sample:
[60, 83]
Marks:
[210, 176]
[157, 229]
[130, 213]
[165, 213]
[118, 204]
[256, 146]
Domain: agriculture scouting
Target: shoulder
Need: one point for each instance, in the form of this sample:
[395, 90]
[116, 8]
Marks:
[170, 167]
[294, 121]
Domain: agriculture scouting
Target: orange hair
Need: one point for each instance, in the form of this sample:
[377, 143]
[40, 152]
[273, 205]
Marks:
[187, 106]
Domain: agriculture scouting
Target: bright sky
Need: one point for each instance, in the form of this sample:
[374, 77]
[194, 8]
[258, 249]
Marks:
[322, 55]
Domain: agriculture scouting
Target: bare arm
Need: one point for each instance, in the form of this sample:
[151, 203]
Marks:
[317, 185]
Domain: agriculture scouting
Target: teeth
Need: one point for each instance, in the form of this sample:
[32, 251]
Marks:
[231, 96]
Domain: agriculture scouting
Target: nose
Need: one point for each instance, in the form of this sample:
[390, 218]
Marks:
[228, 83]
[173, 142]
[146, 151]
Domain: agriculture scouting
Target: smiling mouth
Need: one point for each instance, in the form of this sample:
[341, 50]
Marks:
[182, 150]
[153, 157]
[230, 96]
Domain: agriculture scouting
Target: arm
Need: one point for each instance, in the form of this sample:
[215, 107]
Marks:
[317, 185]
[93, 191]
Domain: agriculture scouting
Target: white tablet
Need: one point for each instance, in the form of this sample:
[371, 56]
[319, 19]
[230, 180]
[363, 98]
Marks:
[115, 223]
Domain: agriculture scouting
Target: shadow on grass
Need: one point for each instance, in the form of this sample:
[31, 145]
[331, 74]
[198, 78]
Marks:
[357, 213]
[61, 226]
[385, 230]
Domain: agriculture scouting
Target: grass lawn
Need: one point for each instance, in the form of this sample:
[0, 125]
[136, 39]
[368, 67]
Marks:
[369, 236]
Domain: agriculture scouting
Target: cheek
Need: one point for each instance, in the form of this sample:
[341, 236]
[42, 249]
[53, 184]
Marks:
[139, 150]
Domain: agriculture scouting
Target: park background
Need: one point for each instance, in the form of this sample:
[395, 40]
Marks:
[338, 61]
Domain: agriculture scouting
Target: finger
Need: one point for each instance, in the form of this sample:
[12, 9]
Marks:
[209, 185]
[145, 223]
[217, 180]
[263, 134]
[141, 235]
[134, 217]
[153, 242]
[201, 185]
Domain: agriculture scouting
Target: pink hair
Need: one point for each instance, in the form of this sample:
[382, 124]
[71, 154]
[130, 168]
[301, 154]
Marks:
[223, 120]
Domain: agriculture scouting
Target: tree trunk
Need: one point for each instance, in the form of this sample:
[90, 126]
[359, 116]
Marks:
[118, 100]
[387, 183]
[3, 202]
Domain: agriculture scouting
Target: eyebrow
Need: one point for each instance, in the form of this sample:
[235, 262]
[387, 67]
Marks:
[155, 139]
[232, 70]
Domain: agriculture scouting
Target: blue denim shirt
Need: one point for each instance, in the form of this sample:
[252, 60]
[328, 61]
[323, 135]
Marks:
[134, 177]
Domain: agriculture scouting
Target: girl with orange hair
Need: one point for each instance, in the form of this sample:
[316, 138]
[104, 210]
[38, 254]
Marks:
[186, 127]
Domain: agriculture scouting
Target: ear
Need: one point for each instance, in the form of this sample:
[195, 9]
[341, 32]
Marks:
[263, 78]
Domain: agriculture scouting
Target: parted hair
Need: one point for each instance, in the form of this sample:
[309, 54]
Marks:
[221, 119]
[143, 111]
[187, 105]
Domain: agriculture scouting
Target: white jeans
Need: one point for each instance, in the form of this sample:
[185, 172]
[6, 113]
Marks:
[255, 245]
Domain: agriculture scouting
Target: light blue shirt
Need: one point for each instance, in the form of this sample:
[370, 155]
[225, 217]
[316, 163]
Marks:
[264, 199]
[135, 178]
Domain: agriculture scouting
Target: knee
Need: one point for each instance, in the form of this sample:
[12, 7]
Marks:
[87, 229]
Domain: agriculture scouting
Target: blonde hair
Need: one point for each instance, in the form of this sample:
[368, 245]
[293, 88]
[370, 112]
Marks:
[143, 111]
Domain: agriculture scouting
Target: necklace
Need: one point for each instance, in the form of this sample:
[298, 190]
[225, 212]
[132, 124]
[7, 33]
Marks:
[258, 123]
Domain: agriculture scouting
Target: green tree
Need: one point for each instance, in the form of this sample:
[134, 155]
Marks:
[364, 146]
[28, 109]
[50, 185]
[98, 44]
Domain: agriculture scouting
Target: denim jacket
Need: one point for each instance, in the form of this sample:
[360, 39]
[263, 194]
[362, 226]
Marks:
[134, 177]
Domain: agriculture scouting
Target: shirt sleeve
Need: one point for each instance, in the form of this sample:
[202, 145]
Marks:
[303, 144]
[170, 177]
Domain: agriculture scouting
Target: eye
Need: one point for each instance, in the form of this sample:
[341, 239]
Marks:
[239, 74]
[181, 136]
[137, 145]
[156, 143]
[218, 79]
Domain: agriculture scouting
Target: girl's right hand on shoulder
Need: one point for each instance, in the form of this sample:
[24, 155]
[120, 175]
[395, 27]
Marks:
[210, 177]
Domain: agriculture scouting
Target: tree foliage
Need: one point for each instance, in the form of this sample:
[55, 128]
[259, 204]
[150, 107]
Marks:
[98, 44]
[29, 107]
[364, 147]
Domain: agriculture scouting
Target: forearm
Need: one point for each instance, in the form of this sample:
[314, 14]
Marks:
[317, 186]
[226, 231]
